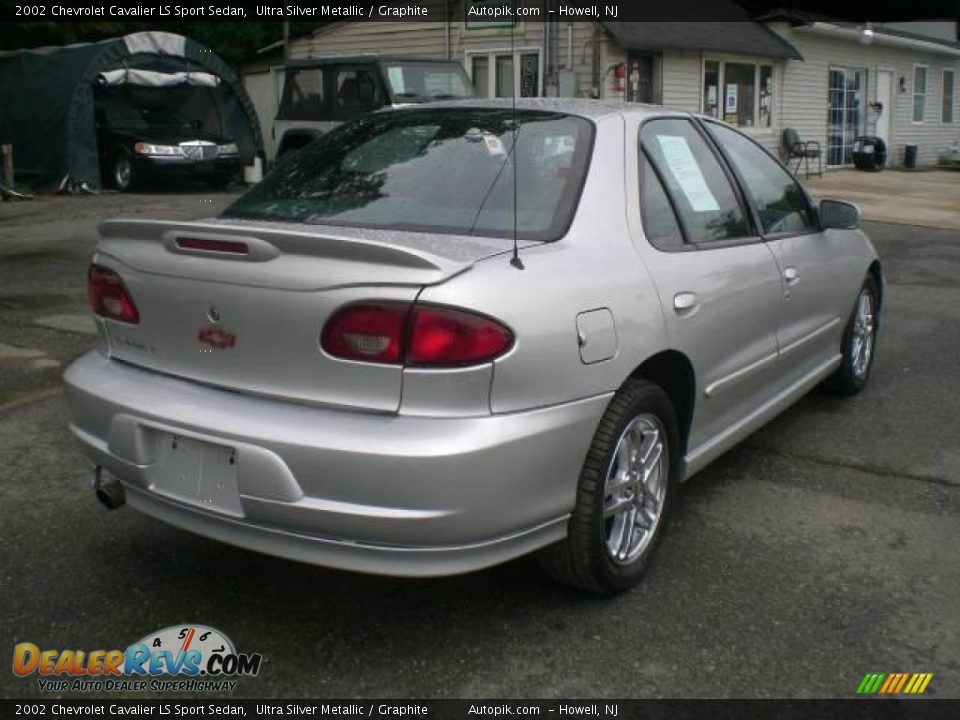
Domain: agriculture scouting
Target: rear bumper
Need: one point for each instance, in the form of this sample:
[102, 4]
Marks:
[390, 494]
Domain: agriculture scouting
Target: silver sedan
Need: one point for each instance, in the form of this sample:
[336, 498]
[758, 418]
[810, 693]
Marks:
[443, 337]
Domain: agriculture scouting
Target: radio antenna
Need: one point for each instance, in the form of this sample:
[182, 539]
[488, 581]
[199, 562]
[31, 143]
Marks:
[515, 260]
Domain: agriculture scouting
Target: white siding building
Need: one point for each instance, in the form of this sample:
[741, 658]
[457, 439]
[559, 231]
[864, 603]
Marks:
[831, 82]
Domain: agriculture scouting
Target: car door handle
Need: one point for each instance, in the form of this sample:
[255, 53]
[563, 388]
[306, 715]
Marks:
[791, 275]
[685, 303]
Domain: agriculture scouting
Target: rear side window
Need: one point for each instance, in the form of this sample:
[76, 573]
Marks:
[440, 170]
[779, 200]
[659, 222]
[695, 180]
[303, 95]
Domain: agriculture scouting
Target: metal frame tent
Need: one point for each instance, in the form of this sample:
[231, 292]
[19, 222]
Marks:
[48, 100]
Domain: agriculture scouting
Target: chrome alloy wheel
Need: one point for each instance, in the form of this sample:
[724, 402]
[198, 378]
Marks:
[635, 489]
[864, 333]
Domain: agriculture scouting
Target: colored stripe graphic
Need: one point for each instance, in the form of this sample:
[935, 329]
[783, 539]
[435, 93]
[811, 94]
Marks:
[894, 683]
[899, 687]
[870, 683]
[891, 682]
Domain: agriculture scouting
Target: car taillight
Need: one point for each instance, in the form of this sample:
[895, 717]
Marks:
[369, 332]
[109, 297]
[417, 335]
[442, 336]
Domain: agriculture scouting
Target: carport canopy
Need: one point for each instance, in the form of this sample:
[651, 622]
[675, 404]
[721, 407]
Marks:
[49, 112]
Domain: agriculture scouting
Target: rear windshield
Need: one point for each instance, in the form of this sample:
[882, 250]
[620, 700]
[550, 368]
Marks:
[440, 170]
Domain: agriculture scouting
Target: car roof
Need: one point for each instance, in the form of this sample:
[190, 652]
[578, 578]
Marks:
[591, 109]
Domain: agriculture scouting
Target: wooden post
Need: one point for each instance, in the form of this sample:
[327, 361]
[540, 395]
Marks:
[7, 151]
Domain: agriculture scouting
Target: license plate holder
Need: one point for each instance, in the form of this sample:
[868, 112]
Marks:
[197, 473]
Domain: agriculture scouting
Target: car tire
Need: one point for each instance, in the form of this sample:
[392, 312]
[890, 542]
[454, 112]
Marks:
[859, 343]
[123, 175]
[606, 552]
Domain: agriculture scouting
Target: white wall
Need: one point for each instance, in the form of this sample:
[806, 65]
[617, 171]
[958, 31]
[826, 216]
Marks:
[414, 39]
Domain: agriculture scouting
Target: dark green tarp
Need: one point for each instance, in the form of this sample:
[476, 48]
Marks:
[47, 102]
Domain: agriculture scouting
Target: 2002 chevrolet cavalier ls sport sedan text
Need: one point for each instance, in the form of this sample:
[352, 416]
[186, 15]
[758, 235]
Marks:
[353, 367]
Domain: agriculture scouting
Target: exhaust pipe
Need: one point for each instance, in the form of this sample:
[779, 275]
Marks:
[108, 491]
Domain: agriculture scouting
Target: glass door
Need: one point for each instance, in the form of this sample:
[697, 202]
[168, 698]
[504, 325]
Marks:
[845, 118]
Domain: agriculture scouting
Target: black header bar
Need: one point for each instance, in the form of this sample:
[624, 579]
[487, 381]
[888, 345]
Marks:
[927, 709]
[494, 12]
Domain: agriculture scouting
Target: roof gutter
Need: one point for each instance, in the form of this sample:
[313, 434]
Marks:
[879, 38]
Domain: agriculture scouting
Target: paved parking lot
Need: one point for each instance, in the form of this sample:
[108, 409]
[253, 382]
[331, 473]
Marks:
[823, 548]
[928, 196]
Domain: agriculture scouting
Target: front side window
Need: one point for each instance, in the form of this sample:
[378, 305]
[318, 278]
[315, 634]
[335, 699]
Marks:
[443, 171]
[357, 90]
[739, 93]
[949, 83]
[695, 180]
[919, 92]
[779, 200]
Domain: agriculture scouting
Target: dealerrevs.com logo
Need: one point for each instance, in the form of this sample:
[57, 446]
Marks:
[178, 658]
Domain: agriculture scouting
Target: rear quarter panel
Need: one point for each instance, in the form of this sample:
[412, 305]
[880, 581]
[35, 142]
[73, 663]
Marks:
[593, 266]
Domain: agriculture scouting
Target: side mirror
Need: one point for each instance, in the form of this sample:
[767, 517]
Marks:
[839, 215]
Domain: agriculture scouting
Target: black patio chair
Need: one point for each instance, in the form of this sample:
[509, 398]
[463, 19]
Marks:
[796, 149]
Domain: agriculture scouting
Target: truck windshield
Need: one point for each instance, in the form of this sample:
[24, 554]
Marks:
[426, 81]
[436, 170]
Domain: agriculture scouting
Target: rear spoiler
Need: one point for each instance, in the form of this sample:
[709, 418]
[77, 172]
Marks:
[389, 257]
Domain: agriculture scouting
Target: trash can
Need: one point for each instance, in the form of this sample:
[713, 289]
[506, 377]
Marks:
[869, 153]
[910, 156]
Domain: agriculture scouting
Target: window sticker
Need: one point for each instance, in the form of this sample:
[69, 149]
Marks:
[494, 145]
[684, 168]
[731, 105]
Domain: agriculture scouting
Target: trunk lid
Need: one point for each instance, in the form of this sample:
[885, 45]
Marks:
[250, 319]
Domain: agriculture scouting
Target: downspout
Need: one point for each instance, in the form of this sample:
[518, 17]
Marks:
[595, 66]
[548, 79]
[446, 29]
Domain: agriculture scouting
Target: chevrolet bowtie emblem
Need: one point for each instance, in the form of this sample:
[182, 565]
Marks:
[216, 337]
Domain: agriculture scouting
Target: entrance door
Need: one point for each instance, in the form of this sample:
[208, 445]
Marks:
[639, 78]
[884, 104]
[845, 117]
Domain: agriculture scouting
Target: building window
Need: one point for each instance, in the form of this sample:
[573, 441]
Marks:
[480, 74]
[520, 69]
[919, 92]
[739, 93]
[949, 82]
